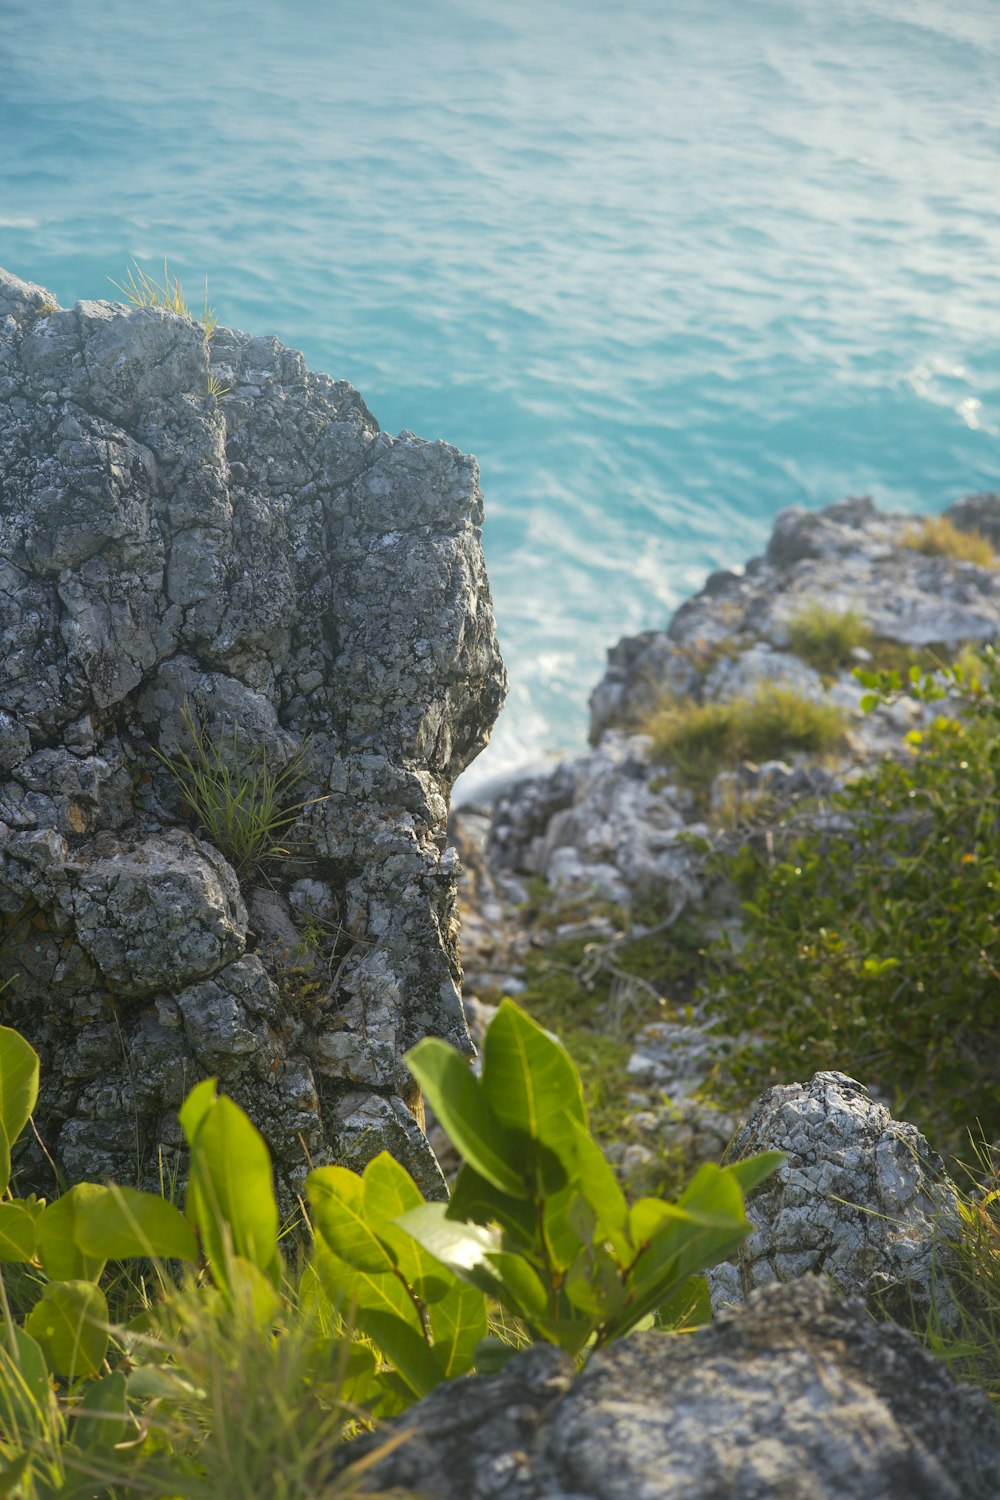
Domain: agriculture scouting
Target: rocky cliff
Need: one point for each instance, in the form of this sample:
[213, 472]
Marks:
[269, 572]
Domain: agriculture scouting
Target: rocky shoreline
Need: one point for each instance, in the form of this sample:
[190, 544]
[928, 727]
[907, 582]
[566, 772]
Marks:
[264, 582]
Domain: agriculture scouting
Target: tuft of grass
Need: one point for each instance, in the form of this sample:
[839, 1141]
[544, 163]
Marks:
[936, 536]
[140, 289]
[700, 739]
[827, 638]
[242, 803]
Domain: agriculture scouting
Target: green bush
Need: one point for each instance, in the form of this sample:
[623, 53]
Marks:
[828, 638]
[874, 947]
[238, 1379]
[700, 739]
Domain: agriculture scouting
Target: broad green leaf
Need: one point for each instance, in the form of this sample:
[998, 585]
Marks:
[570, 1334]
[689, 1307]
[568, 1221]
[4, 1160]
[17, 1233]
[12, 1473]
[491, 1355]
[69, 1322]
[18, 1084]
[594, 1285]
[458, 1100]
[598, 1184]
[390, 1191]
[351, 1290]
[26, 1395]
[102, 1419]
[461, 1247]
[57, 1245]
[251, 1291]
[523, 1290]
[476, 1201]
[195, 1107]
[404, 1347]
[714, 1192]
[458, 1324]
[119, 1222]
[163, 1383]
[337, 1198]
[231, 1190]
[753, 1170]
[531, 1083]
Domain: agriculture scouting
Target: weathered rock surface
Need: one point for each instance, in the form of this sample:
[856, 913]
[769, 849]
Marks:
[275, 563]
[799, 1395]
[861, 1197]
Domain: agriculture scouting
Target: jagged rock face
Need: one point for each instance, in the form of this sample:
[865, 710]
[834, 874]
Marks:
[799, 1395]
[274, 565]
[860, 1197]
[848, 556]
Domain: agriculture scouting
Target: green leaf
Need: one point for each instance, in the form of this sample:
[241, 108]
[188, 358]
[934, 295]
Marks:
[353, 1291]
[463, 1248]
[26, 1395]
[598, 1184]
[390, 1191]
[17, 1233]
[337, 1199]
[753, 1170]
[474, 1200]
[18, 1084]
[4, 1160]
[530, 1081]
[523, 1290]
[195, 1107]
[119, 1222]
[231, 1191]
[459, 1323]
[57, 1244]
[458, 1100]
[869, 702]
[407, 1350]
[690, 1306]
[102, 1419]
[69, 1323]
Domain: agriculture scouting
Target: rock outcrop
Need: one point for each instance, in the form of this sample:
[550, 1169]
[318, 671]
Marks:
[799, 1394]
[310, 594]
[860, 1197]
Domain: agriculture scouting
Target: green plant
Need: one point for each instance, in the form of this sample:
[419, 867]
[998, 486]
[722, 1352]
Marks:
[537, 1220]
[240, 801]
[828, 638]
[140, 289]
[874, 946]
[938, 537]
[700, 739]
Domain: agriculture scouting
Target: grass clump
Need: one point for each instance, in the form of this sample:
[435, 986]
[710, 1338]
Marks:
[936, 536]
[828, 638]
[240, 801]
[700, 739]
[140, 289]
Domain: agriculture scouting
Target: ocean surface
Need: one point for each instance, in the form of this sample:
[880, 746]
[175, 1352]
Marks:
[664, 266]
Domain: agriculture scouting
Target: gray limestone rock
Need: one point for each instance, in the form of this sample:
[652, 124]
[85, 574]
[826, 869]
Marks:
[798, 1395]
[307, 591]
[860, 1197]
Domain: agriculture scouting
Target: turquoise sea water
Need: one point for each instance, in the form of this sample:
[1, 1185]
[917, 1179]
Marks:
[665, 266]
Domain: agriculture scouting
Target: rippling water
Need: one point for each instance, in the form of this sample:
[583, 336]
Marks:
[665, 266]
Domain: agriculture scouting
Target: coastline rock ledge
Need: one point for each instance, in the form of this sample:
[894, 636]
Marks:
[306, 593]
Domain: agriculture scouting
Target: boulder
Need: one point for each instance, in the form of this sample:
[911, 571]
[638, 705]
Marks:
[305, 592]
[860, 1197]
[799, 1395]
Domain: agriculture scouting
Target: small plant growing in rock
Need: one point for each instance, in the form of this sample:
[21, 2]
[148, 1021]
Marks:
[240, 801]
[140, 289]
[938, 537]
[700, 739]
[828, 638]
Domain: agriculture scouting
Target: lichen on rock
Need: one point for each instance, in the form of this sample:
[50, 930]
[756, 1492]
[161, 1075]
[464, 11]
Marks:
[301, 583]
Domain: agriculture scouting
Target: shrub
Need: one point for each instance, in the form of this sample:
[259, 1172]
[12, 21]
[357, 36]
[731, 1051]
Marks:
[238, 1381]
[938, 537]
[700, 739]
[874, 947]
[828, 638]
